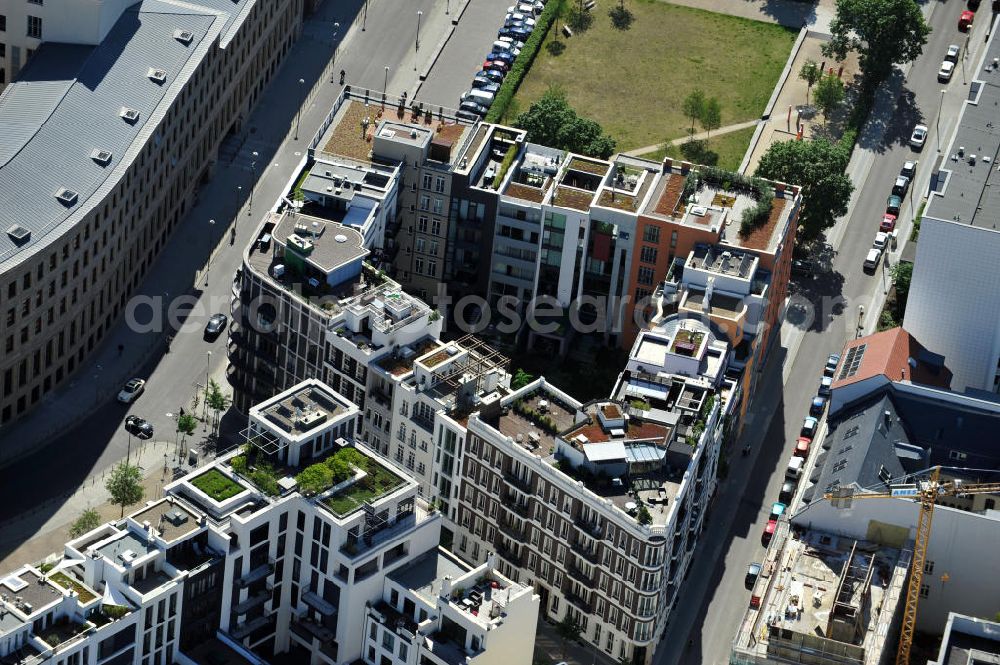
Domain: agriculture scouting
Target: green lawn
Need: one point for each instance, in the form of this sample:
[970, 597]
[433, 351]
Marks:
[378, 482]
[728, 150]
[633, 81]
[217, 485]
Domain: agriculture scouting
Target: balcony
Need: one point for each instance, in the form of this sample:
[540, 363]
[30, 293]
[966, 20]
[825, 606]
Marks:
[247, 627]
[519, 483]
[253, 601]
[357, 547]
[509, 554]
[517, 505]
[579, 575]
[307, 629]
[256, 574]
[316, 602]
[577, 601]
[514, 528]
[587, 552]
[592, 529]
[381, 398]
[424, 423]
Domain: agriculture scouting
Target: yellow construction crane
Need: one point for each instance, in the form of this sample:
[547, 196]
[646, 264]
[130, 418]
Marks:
[926, 493]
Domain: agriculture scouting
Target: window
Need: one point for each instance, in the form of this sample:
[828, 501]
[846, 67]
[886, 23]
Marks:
[673, 239]
[432, 268]
[436, 227]
[425, 202]
[438, 206]
[418, 266]
[34, 2]
[648, 255]
[420, 245]
[35, 27]
[427, 181]
[928, 567]
[645, 275]
[439, 185]
[651, 234]
[925, 590]
[3, 23]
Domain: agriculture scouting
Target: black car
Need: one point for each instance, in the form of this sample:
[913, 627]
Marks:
[503, 56]
[494, 75]
[139, 427]
[472, 107]
[802, 267]
[786, 493]
[216, 324]
[516, 33]
[753, 572]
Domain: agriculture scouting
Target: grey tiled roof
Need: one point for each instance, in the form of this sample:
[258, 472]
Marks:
[67, 102]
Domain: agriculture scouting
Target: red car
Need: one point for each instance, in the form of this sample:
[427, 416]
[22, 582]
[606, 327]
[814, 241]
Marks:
[802, 446]
[768, 531]
[499, 65]
[965, 20]
[888, 223]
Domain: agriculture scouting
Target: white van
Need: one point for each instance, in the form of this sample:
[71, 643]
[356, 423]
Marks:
[479, 96]
[794, 469]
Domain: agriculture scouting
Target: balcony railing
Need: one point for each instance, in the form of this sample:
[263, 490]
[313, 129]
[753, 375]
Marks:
[586, 551]
[319, 604]
[253, 601]
[519, 483]
[578, 601]
[256, 574]
[592, 529]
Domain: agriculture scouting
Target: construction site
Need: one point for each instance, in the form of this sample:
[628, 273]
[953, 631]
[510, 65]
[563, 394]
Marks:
[823, 599]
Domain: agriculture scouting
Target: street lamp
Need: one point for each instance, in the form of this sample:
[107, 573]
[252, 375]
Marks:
[447, 6]
[204, 410]
[253, 184]
[365, 19]
[861, 316]
[239, 196]
[937, 121]
[385, 84]
[419, 14]
[208, 267]
[333, 60]
[298, 114]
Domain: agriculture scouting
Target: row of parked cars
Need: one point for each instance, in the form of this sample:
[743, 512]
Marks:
[517, 26]
[887, 225]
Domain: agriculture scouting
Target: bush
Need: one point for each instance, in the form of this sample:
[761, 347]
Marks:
[579, 20]
[239, 464]
[523, 62]
[339, 469]
[266, 480]
[314, 479]
[621, 18]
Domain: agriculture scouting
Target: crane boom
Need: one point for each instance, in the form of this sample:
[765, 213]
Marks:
[926, 493]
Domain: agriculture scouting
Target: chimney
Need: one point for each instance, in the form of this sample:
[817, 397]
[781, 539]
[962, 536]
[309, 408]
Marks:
[446, 586]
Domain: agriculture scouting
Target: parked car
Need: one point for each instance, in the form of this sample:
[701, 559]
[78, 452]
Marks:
[505, 56]
[893, 203]
[825, 384]
[470, 106]
[888, 223]
[131, 391]
[946, 70]
[519, 45]
[753, 572]
[953, 52]
[494, 75]
[901, 185]
[216, 324]
[918, 137]
[973, 4]
[496, 64]
[818, 406]
[777, 510]
[480, 81]
[794, 469]
[486, 86]
[909, 169]
[965, 20]
[786, 492]
[516, 32]
[468, 115]
[507, 45]
[881, 240]
[802, 267]
[831, 364]
[809, 426]
[139, 427]
[519, 17]
[802, 446]
[871, 261]
[765, 537]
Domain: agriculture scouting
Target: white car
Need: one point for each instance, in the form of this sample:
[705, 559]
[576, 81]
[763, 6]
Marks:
[919, 136]
[947, 69]
[518, 16]
[874, 256]
[131, 391]
[952, 54]
[881, 238]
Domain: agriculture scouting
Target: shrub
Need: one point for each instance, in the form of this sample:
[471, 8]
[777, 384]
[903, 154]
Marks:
[266, 480]
[643, 516]
[523, 62]
[339, 469]
[239, 464]
[314, 479]
[621, 18]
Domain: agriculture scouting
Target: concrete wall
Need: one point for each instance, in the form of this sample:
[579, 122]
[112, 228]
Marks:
[963, 551]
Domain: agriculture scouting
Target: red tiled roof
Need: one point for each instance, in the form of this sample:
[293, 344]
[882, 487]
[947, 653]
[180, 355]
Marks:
[888, 353]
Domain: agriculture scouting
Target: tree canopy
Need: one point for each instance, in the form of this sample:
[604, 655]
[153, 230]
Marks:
[693, 106]
[829, 94]
[552, 121]
[88, 520]
[125, 485]
[883, 32]
[817, 166]
[810, 73]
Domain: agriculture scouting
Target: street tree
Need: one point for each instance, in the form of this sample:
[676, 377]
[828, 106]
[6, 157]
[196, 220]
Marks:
[552, 121]
[817, 166]
[569, 630]
[810, 73]
[711, 115]
[125, 485]
[88, 520]
[186, 424]
[883, 32]
[693, 107]
[829, 95]
[902, 273]
[217, 401]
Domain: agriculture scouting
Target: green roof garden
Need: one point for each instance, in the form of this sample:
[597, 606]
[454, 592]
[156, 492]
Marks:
[217, 485]
[378, 482]
[84, 594]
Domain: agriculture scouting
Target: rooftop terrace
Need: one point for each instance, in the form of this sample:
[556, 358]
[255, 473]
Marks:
[304, 410]
[401, 362]
[171, 519]
[534, 421]
[34, 591]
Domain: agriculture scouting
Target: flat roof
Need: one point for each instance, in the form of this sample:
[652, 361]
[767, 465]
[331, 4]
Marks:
[971, 193]
[305, 408]
[333, 244]
[126, 541]
[67, 103]
[169, 518]
[424, 574]
[31, 588]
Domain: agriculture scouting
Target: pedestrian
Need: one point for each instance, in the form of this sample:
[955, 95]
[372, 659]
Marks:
[121, 350]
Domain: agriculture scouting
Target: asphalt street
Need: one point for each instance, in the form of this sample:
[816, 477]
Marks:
[713, 599]
[37, 483]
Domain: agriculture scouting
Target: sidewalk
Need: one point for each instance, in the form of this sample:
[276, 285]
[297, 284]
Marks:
[700, 136]
[789, 13]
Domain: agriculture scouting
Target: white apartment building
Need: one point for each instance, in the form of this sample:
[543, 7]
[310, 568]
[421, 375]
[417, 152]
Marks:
[241, 561]
[953, 306]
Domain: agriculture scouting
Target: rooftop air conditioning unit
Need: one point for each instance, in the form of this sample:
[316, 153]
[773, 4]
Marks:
[157, 75]
[67, 196]
[130, 115]
[184, 36]
[102, 157]
[699, 211]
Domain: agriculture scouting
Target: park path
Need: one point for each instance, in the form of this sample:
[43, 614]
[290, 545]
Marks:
[701, 136]
[789, 13]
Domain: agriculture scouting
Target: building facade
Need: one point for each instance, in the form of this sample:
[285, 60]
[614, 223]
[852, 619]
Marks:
[81, 231]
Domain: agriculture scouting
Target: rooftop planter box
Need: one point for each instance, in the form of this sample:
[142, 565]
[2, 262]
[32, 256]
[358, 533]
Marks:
[218, 490]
